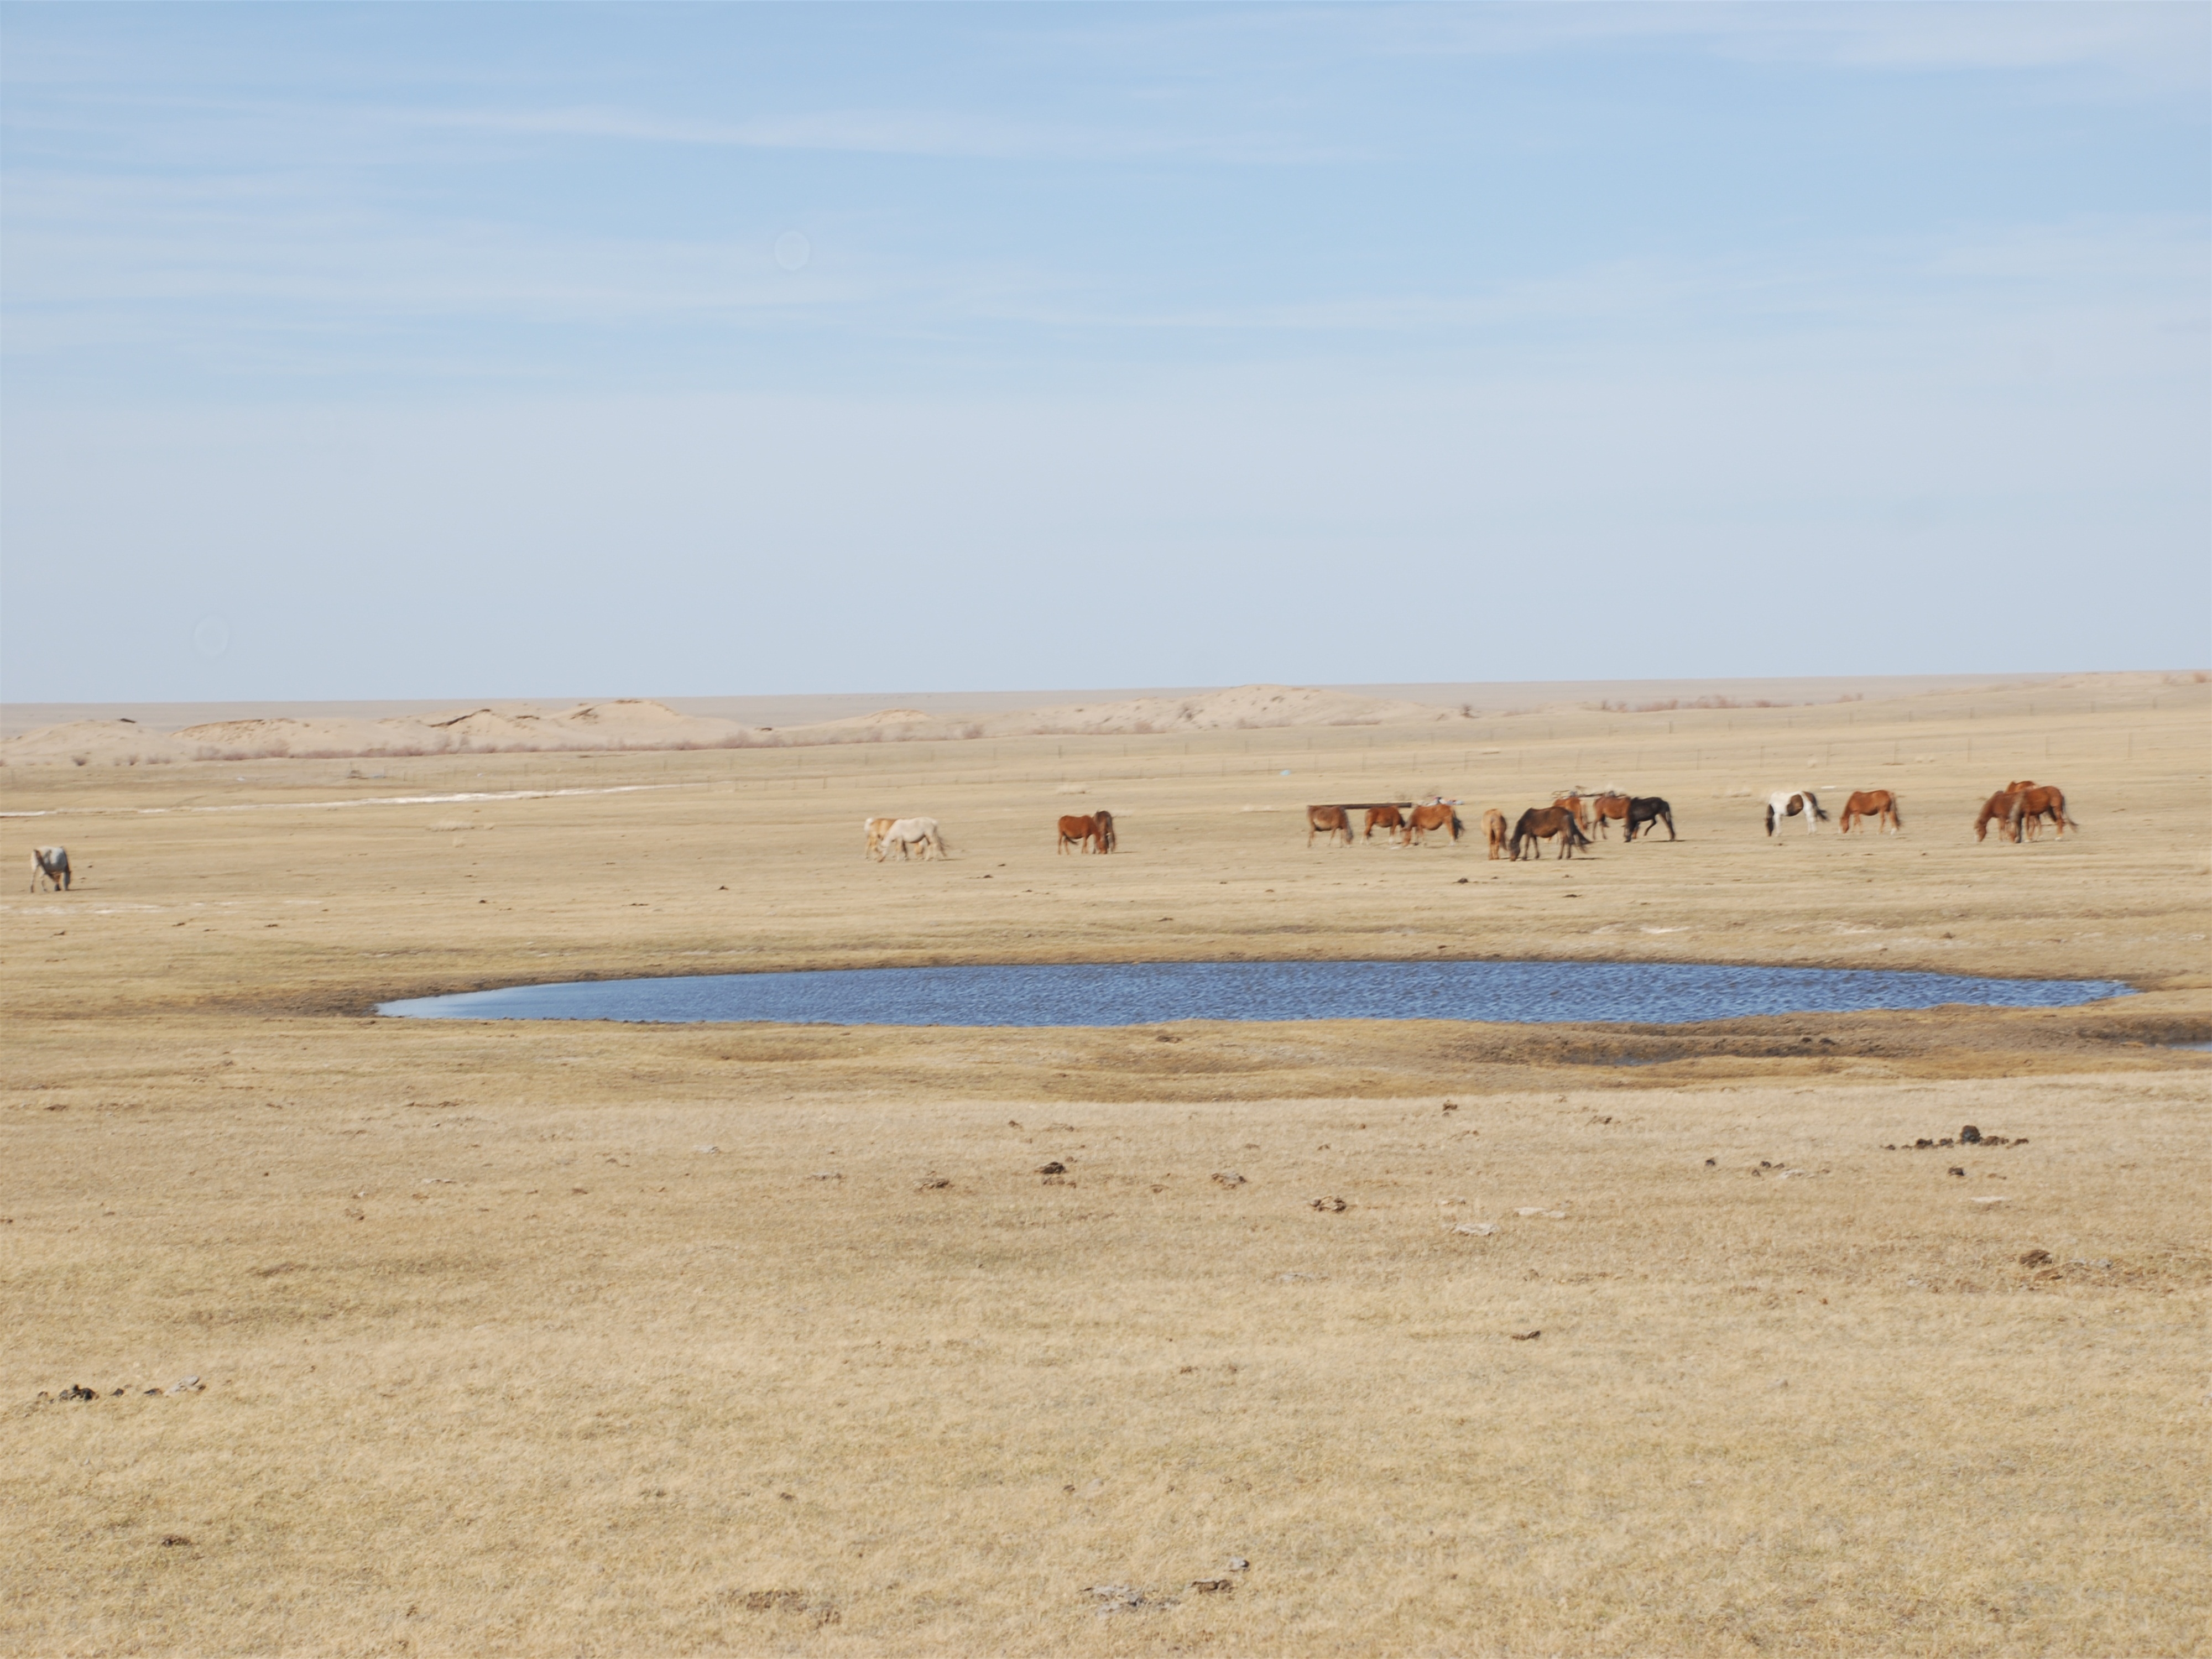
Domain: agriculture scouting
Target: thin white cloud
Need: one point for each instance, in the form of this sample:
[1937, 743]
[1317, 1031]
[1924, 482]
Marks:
[2156, 46]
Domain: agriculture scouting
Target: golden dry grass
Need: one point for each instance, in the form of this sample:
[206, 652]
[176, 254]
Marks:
[498, 1360]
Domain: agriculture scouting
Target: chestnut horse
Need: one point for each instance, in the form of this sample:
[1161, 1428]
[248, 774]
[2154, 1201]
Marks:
[1107, 840]
[1442, 816]
[1573, 801]
[1879, 804]
[2001, 808]
[1539, 825]
[1608, 805]
[1493, 830]
[1330, 821]
[1384, 818]
[2033, 803]
[1083, 834]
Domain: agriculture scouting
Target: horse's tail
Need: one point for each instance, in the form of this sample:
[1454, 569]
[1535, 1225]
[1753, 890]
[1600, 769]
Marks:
[1813, 801]
[1770, 817]
[1897, 812]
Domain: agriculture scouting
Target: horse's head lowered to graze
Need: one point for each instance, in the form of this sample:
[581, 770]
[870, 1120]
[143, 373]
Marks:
[1092, 833]
[1539, 825]
[1792, 803]
[52, 863]
[1440, 815]
[1329, 821]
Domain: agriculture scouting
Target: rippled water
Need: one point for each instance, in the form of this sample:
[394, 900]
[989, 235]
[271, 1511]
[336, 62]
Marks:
[1144, 994]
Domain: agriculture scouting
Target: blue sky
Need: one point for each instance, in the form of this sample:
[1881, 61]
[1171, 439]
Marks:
[503, 350]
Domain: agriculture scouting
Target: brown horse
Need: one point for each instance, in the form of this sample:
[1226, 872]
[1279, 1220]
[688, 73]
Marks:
[1493, 830]
[1384, 818]
[1573, 801]
[1608, 805]
[1107, 840]
[1330, 821]
[1879, 805]
[1442, 816]
[2034, 802]
[2000, 809]
[1081, 834]
[1539, 825]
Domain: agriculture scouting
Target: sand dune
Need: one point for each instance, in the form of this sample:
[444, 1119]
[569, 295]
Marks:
[627, 723]
[641, 723]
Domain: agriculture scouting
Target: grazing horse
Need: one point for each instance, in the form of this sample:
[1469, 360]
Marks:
[1645, 809]
[1788, 803]
[1610, 805]
[1999, 809]
[1079, 833]
[1573, 801]
[1384, 818]
[875, 828]
[1442, 816]
[1539, 825]
[2033, 803]
[908, 833]
[1493, 830]
[52, 863]
[1107, 839]
[1330, 821]
[1879, 805]
[2044, 801]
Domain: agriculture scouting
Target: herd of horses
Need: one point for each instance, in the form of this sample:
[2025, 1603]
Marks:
[2018, 811]
[1568, 820]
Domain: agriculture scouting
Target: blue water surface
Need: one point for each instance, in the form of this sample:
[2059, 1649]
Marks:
[1153, 992]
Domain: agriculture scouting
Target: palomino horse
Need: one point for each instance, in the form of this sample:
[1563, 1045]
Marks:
[1384, 818]
[1879, 805]
[52, 863]
[1539, 825]
[2000, 809]
[1081, 834]
[2034, 803]
[1442, 816]
[1493, 830]
[1609, 806]
[1330, 821]
[907, 833]
[1646, 810]
[1788, 803]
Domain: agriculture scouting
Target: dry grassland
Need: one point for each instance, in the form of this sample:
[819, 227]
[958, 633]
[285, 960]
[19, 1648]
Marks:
[581, 1338]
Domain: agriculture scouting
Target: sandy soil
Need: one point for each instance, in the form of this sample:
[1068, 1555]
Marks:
[515, 1338]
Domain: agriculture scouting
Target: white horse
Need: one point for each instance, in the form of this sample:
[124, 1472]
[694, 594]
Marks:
[52, 863]
[1788, 803]
[905, 832]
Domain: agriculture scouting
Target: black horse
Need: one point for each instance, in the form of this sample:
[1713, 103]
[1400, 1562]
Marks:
[1644, 810]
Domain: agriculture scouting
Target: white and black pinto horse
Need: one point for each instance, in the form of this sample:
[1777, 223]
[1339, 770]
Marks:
[52, 863]
[1790, 804]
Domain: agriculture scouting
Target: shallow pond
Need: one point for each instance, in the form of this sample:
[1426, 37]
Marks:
[1152, 993]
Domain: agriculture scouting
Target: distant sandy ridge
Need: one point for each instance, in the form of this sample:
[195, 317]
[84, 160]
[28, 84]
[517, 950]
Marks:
[636, 723]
